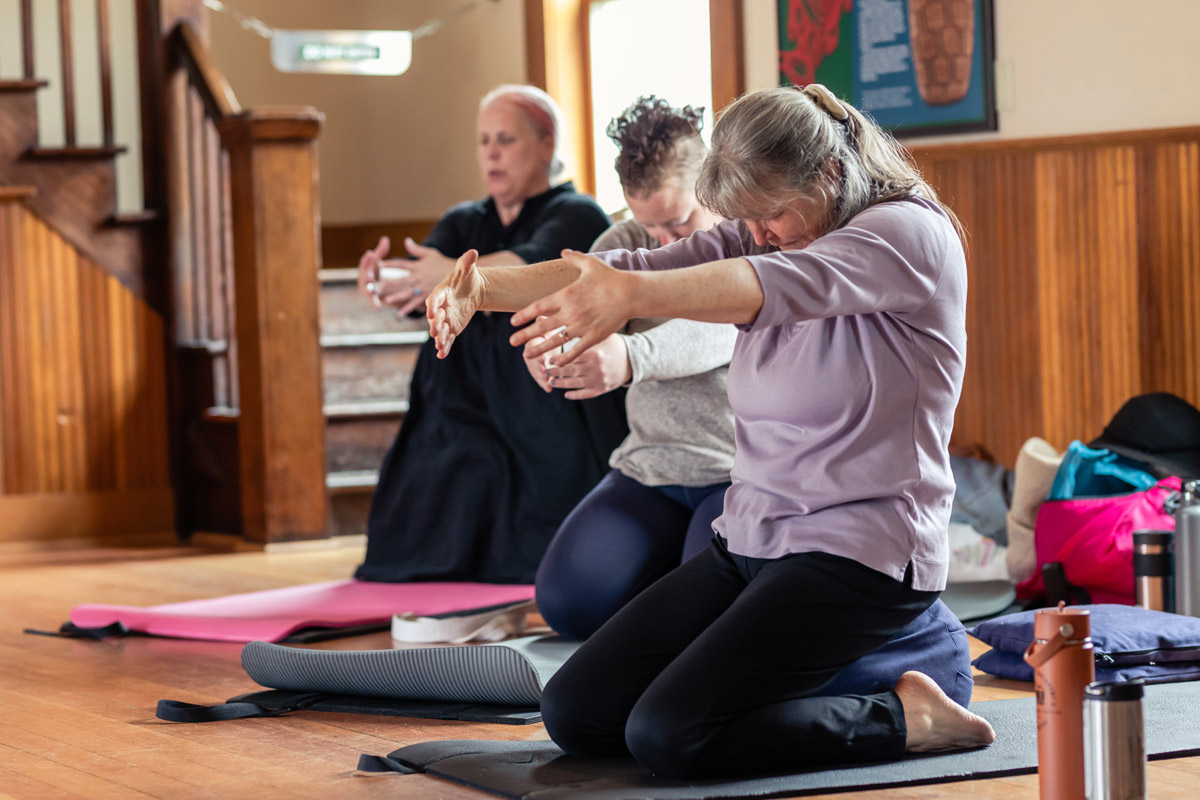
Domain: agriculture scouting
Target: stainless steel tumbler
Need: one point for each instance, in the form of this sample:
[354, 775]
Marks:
[1114, 741]
[1187, 551]
[1153, 572]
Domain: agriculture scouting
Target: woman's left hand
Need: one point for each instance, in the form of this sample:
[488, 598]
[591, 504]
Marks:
[593, 306]
[427, 269]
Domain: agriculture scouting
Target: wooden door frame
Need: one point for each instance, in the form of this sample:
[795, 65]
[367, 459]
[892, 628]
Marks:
[557, 59]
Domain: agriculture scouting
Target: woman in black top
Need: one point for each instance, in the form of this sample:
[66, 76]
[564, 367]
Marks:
[486, 465]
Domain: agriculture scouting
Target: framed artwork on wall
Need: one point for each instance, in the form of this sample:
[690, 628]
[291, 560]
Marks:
[919, 67]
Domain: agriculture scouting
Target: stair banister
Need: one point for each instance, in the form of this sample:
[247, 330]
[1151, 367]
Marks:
[243, 184]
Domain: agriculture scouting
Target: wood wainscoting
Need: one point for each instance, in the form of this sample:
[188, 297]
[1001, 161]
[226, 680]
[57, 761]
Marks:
[1084, 269]
[342, 245]
[83, 419]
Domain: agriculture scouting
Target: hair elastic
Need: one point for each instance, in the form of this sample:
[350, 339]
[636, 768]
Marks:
[826, 100]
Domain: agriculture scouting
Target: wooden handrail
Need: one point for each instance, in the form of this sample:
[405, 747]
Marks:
[215, 92]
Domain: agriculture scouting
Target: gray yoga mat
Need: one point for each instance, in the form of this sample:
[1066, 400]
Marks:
[511, 673]
[500, 683]
[540, 771]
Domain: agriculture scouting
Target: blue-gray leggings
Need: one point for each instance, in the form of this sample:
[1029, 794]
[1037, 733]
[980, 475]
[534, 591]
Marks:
[621, 538]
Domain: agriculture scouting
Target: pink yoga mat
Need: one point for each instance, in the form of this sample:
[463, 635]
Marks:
[274, 614]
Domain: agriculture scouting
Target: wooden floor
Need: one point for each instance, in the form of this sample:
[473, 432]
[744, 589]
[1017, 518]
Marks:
[77, 717]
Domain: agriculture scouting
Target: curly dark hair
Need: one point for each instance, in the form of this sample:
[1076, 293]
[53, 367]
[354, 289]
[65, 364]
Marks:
[657, 142]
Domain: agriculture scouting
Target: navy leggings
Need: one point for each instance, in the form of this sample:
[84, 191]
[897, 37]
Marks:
[712, 670]
[620, 539]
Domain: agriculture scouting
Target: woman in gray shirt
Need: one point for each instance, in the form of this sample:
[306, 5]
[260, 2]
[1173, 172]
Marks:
[656, 507]
[844, 379]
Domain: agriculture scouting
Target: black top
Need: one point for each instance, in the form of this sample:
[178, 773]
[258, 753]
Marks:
[486, 464]
[549, 222]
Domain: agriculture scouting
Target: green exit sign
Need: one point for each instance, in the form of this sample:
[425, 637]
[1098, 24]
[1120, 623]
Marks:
[342, 52]
[322, 51]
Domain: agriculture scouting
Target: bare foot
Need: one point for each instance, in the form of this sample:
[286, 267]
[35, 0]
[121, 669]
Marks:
[935, 722]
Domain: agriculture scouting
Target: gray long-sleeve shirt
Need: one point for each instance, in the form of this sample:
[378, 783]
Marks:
[680, 421]
[844, 389]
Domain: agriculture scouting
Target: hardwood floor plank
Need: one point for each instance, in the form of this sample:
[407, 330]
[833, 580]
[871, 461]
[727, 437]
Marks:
[119, 772]
[73, 777]
[65, 780]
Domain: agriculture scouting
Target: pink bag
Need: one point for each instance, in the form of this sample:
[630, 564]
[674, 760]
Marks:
[1093, 539]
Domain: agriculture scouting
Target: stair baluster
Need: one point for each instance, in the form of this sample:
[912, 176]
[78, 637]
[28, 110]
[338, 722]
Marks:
[27, 38]
[66, 54]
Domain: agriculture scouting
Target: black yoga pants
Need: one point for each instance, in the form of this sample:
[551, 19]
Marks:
[621, 538]
[708, 672]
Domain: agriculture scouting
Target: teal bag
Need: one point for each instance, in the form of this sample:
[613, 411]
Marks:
[1091, 472]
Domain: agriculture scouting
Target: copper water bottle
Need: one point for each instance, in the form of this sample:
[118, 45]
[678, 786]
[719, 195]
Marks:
[1063, 665]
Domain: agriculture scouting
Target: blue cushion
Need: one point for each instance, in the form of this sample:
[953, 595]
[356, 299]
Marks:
[934, 643]
[1013, 666]
[1131, 634]
[1161, 646]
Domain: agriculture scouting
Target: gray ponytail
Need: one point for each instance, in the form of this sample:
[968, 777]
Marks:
[774, 145]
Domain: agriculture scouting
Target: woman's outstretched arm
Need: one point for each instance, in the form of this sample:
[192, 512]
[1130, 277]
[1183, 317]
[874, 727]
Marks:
[468, 289]
[601, 299]
[581, 297]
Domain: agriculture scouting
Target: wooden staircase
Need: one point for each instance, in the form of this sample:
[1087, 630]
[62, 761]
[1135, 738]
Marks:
[174, 352]
[74, 188]
[258, 392]
[368, 358]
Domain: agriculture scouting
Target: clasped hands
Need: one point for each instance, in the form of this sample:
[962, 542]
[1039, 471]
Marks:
[601, 369]
[410, 280]
[590, 309]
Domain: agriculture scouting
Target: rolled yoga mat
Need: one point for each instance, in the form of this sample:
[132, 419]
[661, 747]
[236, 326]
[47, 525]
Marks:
[481, 683]
[275, 614]
[512, 673]
[538, 769]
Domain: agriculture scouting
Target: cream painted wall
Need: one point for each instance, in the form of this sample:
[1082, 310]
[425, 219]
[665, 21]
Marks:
[393, 148]
[1063, 66]
[402, 148]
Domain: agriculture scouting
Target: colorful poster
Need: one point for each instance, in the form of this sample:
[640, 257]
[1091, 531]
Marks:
[917, 66]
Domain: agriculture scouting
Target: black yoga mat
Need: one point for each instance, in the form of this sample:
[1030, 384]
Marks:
[538, 769]
[276, 703]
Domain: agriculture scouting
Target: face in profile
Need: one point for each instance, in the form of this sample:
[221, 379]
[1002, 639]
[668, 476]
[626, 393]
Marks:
[514, 159]
[670, 213]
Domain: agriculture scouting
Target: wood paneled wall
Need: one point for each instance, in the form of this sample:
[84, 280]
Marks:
[1084, 269]
[82, 390]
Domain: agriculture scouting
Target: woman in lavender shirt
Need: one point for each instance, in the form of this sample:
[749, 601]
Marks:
[847, 280]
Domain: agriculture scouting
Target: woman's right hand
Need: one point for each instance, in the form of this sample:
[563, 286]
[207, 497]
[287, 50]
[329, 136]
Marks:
[454, 301]
[369, 270]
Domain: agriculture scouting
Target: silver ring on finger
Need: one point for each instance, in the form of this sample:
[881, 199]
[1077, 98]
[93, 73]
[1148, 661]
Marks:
[564, 335]
[372, 288]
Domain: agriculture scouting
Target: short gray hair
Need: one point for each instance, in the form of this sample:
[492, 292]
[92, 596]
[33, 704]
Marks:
[774, 145]
[540, 109]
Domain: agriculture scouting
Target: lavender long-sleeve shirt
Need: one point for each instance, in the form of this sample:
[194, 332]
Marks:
[844, 389]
